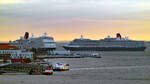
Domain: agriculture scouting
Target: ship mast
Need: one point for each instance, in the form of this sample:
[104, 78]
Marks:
[81, 37]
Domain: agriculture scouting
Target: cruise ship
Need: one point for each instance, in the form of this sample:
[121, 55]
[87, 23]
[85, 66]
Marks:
[41, 43]
[106, 44]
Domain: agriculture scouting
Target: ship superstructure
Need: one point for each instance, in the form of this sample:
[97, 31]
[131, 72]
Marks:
[42, 43]
[106, 44]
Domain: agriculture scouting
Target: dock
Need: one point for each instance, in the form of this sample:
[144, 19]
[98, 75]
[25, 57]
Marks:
[22, 68]
[65, 56]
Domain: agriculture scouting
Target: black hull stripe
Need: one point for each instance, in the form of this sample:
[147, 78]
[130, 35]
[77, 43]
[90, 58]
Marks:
[103, 49]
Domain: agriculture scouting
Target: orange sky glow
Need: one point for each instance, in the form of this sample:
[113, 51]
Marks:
[66, 20]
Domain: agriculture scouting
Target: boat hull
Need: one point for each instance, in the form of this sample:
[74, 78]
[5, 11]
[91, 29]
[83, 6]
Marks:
[104, 48]
[50, 73]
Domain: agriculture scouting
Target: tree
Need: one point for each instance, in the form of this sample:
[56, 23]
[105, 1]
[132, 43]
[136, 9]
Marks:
[28, 60]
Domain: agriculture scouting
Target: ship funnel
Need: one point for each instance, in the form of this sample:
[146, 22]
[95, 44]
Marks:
[26, 36]
[118, 35]
[81, 37]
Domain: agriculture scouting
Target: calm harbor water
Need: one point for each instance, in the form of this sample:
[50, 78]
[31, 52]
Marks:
[112, 68]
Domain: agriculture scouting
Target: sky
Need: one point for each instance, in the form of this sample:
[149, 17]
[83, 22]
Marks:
[68, 19]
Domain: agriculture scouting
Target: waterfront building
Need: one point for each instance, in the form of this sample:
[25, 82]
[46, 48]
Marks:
[8, 52]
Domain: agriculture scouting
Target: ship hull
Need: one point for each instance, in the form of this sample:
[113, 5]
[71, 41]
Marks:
[104, 48]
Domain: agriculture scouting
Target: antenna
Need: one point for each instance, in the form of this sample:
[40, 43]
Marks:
[45, 34]
[32, 35]
[108, 36]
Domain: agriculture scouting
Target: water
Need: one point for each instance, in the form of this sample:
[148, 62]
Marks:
[112, 68]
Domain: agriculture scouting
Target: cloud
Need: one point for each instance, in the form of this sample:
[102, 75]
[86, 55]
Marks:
[11, 1]
[71, 8]
[75, 15]
[17, 1]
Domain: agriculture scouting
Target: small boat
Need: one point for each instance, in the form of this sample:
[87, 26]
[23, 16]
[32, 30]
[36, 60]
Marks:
[48, 71]
[60, 67]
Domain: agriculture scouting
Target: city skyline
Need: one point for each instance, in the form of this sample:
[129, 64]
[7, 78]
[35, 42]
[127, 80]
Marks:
[68, 19]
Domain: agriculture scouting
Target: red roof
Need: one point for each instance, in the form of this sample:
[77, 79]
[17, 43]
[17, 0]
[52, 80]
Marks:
[6, 46]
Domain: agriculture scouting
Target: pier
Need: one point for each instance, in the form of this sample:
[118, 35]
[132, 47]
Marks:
[66, 56]
[25, 68]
